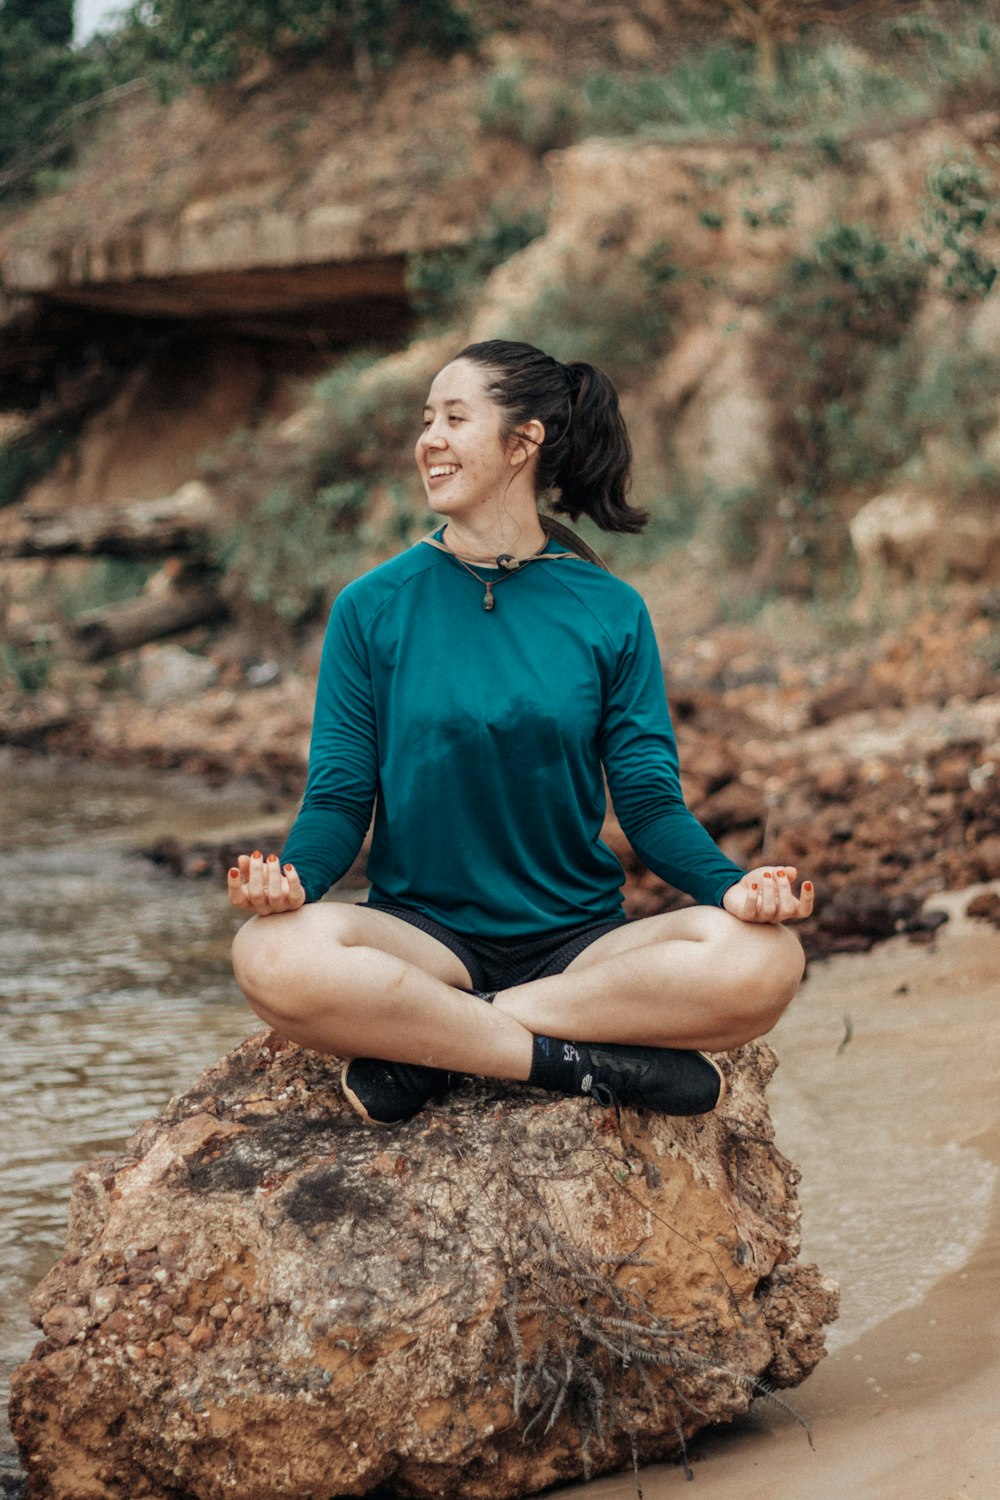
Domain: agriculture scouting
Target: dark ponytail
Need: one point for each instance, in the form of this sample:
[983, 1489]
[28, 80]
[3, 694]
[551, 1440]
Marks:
[586, 454]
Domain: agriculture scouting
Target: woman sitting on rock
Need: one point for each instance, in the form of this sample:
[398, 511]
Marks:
[473, 689]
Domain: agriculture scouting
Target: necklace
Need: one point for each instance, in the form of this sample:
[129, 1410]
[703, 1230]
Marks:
[506, 561]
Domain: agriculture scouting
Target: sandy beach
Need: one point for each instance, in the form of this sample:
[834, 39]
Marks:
[897, 1131]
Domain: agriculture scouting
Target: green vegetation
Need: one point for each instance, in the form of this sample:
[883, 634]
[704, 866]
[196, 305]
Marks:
[314, 511]
[907, 69]
[959, 205]
[616, 313]
[841, 309]
[25, 459]
[447, 281]
[211, 43]
[43, 85]
[915, 396]
[49, 88]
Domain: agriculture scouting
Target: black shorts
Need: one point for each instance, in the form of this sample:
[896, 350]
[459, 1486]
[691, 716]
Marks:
[500, 963]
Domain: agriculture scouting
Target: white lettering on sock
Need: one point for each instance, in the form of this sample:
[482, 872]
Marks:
[570, 1054]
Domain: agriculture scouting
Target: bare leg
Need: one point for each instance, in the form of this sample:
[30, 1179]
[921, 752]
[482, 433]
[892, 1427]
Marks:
[696, 978]
[361, 983]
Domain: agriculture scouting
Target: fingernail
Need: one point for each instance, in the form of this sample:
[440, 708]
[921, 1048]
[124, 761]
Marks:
[753, 885]
[256, 854]
[807, 885]
[234, 874]
[779, 873]
[272, 859]
[289, 869]
[767, 874]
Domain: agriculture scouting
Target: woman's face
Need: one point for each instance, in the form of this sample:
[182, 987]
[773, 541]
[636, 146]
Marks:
[464, 463]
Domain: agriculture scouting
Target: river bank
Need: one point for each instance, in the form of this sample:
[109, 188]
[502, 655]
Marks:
[885, 1097]
[898, 1137]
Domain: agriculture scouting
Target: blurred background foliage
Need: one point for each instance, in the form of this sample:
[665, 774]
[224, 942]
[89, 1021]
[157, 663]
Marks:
[843, 359]
[49, 86]
[759, 66]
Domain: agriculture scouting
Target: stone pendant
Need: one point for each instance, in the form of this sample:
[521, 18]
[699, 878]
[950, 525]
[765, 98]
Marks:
[488, 600]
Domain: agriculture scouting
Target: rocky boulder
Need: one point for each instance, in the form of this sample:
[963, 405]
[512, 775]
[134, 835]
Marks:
[263, 1298]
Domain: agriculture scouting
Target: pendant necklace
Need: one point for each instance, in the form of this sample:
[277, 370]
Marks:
[506, 561]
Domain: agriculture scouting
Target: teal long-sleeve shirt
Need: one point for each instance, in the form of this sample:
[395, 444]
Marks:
[479, 738]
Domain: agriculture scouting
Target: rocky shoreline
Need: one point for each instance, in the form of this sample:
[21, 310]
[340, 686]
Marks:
[877, 776]
[505, 1294]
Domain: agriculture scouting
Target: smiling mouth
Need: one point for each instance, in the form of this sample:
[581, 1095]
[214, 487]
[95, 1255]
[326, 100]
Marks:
[442, 471]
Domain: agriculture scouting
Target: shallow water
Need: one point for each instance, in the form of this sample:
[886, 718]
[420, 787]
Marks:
[116, 991]
[884, 1098]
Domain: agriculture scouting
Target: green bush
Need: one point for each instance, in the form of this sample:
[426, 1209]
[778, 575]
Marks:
[26, 459]
[211, 43]
[617, 314]
[306, 525]
[960, 203]
[51, 19]
[713, 90]
[538, 113]
[446, 281]
[43, 86]
[48, 87]
[913, 394]
[842, 309]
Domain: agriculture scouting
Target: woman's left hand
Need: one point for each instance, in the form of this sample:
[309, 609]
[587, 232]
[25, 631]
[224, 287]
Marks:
[766, 895]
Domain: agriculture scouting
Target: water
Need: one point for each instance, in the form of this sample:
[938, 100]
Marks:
[115, 992]
[891, 1131]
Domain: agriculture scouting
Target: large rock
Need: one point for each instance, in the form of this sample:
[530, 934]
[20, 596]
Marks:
[907, 537]
[262, 1297]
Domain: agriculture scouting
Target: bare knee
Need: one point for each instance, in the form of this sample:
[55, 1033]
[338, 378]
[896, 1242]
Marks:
[767, 973]
[281, 960]
[268, 963]
[258, 961]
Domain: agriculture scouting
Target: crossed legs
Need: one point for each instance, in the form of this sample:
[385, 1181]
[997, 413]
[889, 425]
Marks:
[360, 983]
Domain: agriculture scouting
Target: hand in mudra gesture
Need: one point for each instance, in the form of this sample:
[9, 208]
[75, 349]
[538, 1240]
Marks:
[766, 895]
[261, 885]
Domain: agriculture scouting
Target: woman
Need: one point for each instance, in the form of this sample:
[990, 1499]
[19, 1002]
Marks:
[472, 689]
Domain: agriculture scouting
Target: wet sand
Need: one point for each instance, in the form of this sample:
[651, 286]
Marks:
[898, 1134]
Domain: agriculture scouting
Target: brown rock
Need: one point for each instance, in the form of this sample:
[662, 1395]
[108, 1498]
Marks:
[986, 858]
[62, 1324]
[733, 806]
[542, 1286]
[986, 908]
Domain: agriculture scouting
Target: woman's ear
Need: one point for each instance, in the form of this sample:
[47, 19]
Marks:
[525, 442]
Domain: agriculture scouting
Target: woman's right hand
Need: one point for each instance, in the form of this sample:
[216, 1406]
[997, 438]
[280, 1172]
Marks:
[262, 886]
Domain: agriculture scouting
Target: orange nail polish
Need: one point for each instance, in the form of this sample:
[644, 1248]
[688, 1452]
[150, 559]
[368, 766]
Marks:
[272, 859]
[767, 874]
[753, 885]
[256, 854]
[234, 874]
[289, 869]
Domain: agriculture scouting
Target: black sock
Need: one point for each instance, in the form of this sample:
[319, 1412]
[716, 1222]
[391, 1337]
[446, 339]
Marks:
[556, 1065]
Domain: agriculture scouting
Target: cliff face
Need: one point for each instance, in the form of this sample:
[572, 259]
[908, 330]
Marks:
[266, 204]
[209, 255]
